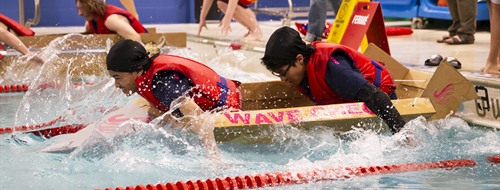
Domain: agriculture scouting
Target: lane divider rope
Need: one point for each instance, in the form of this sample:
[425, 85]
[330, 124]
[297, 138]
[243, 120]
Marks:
[13, 88]
[8, 130]
[24, 87]
[494, 159]
[52, 132]
[289, 178]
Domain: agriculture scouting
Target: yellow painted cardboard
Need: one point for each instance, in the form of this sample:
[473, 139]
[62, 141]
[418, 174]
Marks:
[341, 22]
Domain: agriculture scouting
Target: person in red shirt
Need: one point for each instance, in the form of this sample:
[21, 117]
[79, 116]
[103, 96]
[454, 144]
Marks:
[330, 73]
[162, 79]
[109, 19]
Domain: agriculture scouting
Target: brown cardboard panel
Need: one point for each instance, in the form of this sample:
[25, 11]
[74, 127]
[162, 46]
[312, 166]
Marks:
[404, 91]
[419, 79]
[275, 103]
[397, 70]
[341, 117]
[93, 40]
[268, 90]
[447, 89]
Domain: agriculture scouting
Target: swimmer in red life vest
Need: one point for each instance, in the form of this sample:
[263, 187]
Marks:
[237, 9]
[162, 78]
[109, 19]
[9, 30]
[329, 73]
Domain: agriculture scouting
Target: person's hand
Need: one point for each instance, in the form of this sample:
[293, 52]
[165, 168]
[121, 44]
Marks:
[203, 24]
[225, 25]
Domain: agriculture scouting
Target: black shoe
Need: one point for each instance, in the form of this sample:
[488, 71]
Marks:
[434, 60]
[453, 62]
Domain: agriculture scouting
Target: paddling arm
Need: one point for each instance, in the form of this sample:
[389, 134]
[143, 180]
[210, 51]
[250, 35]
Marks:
[122, 27]
[200, 126]
[12, 40]
[17, 44]
[190, 119]
[380, 104]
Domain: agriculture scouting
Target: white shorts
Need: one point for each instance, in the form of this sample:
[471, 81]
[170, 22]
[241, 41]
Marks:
[495, 1]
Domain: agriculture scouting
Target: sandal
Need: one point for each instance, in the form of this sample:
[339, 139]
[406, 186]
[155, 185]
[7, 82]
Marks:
[434, 60]
[453, 62]
[456, 40]
[442, 39]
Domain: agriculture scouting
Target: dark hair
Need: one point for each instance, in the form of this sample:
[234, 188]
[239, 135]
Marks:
[127, 56]
[283, 47]
[94, 6]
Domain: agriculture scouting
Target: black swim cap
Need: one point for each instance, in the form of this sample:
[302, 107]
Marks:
[285, 43]
[127, 56]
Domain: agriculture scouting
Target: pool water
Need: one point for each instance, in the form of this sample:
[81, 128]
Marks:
[158, 153]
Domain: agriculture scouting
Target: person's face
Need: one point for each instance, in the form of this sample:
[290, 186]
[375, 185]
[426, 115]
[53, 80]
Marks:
[83, 12]
[125, 81]
[292, 73]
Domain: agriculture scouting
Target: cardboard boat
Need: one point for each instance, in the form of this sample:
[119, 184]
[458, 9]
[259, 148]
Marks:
[269, 104]
[82, 49]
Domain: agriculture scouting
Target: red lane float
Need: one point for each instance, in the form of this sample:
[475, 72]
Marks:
[29, 127]
[289, 178]
[52, 132]
[24, 87]
[494, 159]
[13, 88]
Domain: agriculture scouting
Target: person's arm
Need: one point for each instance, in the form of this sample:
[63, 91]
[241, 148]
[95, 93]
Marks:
[12, 40]
[122, 27]
[359, 89]
[17, 44]
[203, 15]
[228, 15]
[169, 86]
[200, 126]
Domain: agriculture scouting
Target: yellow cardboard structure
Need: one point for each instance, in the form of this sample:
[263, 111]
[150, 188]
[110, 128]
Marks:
[360, 23]
[341, 22]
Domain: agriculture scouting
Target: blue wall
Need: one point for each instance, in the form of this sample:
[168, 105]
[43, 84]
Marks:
[64, 13]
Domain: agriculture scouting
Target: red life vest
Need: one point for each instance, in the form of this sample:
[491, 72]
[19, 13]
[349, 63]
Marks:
[100, 28]
[18, 28]
[210, 91]
[246, 2]
[371, 70]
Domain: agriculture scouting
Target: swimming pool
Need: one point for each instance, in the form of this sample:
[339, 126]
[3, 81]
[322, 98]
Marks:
[152, 156]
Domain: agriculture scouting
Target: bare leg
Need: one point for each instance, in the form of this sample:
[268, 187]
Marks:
[247, 18]
[130, 6]
[493, 62]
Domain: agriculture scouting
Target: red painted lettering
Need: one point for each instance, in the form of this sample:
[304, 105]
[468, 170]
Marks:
[354, 109]
[293, 115]
[278, 118]
[260, 118]
[237, 117]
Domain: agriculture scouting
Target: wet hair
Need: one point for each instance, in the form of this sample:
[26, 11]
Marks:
[127, 56]
[97, 7]
[283, 47]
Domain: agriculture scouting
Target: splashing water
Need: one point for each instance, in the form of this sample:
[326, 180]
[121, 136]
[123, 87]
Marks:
[142, 153]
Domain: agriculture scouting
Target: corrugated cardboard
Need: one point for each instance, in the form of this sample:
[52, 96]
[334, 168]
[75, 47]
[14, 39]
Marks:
[446, 87]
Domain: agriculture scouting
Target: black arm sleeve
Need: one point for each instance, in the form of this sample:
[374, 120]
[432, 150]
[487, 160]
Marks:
[380, 104]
